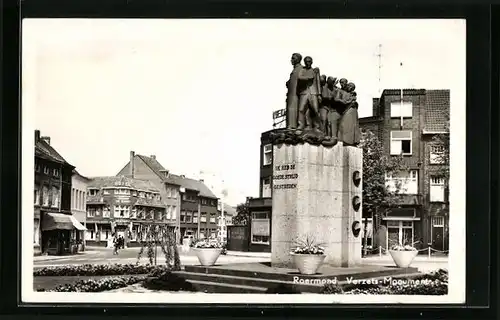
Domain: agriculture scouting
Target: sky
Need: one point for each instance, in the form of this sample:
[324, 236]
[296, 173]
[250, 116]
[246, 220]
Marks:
[198, 93]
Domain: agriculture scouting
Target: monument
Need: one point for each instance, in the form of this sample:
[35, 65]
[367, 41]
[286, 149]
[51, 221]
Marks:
[317, 168]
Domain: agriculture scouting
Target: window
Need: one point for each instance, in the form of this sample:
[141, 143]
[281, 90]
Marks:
[55, 197]
[401, 109]
[174, 212]
[151, 214]
[260, 239]
[93, 192]
[35, 232]
[46, 170]
[169, 192]
[203, 217]
[142, 194]
[195, 217]
[106, 212]
[189, 217]
[212, 218]
[91, 212]
[105, 191]
[37, 195]
[141, 213]
[260, 227]
[175, 193]
[122, 191]
[183, 216]
[204, 201]
[404, 182]
[436, 154]
[45, 196]
[438, 222]
[169, 212]
[401, 142]
[122, 211]
[437, 189]
[266, 188]
[268, 154]
[55, 172]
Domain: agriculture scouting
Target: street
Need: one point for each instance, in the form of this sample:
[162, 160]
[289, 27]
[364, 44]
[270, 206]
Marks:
[129, 256]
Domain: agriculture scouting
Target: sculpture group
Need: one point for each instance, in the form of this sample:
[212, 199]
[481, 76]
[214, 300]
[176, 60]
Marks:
[317, 110]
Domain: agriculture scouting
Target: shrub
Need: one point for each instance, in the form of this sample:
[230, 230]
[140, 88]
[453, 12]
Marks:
[97, 270]
[168, 281]
[98, 285]
[434, 283]
[283, 289]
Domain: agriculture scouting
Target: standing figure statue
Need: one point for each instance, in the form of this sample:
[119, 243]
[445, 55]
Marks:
[349, 131]
[327, 94]
[309, 91]
[292, 97]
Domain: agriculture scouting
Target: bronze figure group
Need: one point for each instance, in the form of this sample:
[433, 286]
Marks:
[317, 109]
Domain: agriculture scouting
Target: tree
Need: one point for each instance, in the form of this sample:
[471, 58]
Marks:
[377, 197]
[242, 215]
[153, 235]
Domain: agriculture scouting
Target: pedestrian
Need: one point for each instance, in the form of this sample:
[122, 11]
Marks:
[115, 245]
[122, 242]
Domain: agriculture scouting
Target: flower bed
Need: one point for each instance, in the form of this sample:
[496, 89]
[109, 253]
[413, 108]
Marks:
[98, 270]
[168, 281]
[97, 285]
[435, 283]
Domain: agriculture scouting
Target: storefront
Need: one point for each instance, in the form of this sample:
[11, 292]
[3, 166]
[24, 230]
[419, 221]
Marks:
[61, 234]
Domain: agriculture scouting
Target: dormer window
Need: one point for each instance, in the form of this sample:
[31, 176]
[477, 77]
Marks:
[55, 172]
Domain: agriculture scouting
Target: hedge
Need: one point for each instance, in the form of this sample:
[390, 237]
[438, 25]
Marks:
[99, 285]
[435, 283]
[98, 270]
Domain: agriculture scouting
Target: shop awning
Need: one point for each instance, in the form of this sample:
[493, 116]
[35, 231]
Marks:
[60, 221]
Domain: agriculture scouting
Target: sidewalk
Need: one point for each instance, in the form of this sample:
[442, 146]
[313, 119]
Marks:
[52, 258]
[249, 254]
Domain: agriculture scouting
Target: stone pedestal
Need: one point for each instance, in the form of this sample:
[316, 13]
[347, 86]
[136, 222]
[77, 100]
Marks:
[317, 194]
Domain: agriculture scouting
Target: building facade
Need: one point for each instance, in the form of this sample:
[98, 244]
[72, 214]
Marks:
[54, 224]
[190, 205]
[79, 205]
[405, 124]
[122, 206]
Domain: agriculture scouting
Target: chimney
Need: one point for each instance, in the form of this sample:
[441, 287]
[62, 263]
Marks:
[46, 139]
[375, 108]
[153, 156]
[37, 136]
[131, 164]
[183, 176]
[202, 180]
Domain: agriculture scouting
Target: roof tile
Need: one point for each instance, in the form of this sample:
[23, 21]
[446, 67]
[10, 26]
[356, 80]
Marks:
[437, 109]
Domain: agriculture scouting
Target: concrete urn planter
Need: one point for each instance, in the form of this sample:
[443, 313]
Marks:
[403, 259]
[308, 263]
[207, 256]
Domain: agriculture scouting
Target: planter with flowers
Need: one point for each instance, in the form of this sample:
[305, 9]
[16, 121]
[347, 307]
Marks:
[403, 255]
[308, 256]
[208, 251]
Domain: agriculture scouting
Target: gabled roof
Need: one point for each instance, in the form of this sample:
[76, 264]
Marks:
[121, 181]
[80, 175]
[182, 181]
[158, 169]
[437, 110]
[46, 151]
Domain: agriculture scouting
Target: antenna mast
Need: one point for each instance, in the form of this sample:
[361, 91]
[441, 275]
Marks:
[379, 55]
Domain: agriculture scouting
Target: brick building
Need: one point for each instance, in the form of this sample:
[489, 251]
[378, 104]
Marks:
[54, 224]
[190, 205]
[404, 128]
[121, 205]
[406, 124]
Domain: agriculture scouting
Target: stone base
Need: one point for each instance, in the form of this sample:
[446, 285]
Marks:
[313, 192]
